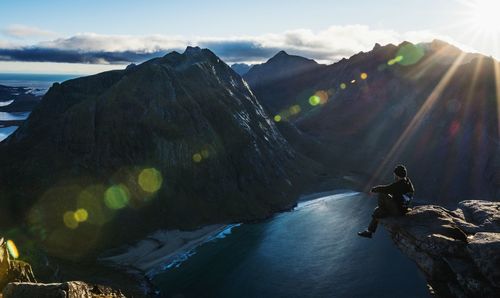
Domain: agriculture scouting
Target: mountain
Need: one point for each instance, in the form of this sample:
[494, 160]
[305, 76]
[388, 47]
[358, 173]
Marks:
[241, 68]
[283, 74]
[430, 106]
[175, 142]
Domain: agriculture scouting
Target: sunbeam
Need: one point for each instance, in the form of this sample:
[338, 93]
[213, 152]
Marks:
[426, 107]
[496, 68]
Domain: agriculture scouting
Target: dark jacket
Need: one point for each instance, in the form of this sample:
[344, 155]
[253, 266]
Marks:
[396, 189]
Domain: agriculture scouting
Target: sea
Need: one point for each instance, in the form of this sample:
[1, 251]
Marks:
[312, 251]
[37, 84]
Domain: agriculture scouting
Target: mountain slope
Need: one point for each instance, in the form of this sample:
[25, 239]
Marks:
[430, 106]
[177, 141]
[283, 75]
[241, 68]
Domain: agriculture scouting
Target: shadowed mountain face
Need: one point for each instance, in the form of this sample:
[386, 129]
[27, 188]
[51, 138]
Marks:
[177, 141]
[283, 79]
[241, 68]
[429, 106]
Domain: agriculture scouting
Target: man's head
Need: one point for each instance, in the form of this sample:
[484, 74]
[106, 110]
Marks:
[400, 172]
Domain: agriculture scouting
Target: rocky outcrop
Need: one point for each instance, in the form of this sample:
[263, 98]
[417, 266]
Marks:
[458, 251]
[13, 270]
[70, 289]
[17, 280]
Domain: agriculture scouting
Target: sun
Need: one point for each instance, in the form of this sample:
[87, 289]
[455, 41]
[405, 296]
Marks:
[484, 15]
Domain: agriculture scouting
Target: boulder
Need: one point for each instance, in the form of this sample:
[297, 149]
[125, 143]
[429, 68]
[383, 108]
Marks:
[13, 270]
[70, 289]
[458, 251]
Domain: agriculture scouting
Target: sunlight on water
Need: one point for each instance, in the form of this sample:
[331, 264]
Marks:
[312, 251]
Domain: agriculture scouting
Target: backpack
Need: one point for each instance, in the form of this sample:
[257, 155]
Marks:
[406, 199]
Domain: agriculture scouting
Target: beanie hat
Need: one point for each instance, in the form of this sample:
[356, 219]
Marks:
[400, 171]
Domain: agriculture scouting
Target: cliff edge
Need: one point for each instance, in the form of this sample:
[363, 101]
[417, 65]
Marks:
[458, 251]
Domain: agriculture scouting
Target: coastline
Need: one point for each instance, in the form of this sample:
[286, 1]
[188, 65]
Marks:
[165, 249]
[162, 250]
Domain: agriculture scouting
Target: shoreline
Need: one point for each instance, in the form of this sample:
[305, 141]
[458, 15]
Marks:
[162, 250]
[165, 249]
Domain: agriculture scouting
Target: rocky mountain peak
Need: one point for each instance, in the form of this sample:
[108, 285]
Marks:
[281, 54]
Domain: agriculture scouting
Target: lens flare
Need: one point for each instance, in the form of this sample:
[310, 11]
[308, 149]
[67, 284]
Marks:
[205, 153]
[92, 200]
[363, 76]
[69, 220]
[150, 180]
[81, 215]
[418, 118]
[343, 86]
[197, 157]
[277, 118]
[314, 100]
[12, 248]
[295, 109]
[410, 54]
[116, 197]
[454, 128]
[395, 60]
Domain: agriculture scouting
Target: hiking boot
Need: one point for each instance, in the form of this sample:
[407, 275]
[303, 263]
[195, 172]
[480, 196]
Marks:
[366, 234]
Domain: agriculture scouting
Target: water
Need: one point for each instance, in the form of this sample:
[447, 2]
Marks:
[6, 116]
[310, 252]
[40, 82]
[37, 84]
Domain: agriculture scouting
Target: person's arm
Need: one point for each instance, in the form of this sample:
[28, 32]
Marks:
[387, 189]
[412, 188]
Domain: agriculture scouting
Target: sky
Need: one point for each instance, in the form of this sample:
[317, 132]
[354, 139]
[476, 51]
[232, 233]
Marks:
[90, 36]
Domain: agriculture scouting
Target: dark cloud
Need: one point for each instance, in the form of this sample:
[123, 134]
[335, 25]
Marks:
[36, 54]
[231, 51]
[237, 51]
[330, 44]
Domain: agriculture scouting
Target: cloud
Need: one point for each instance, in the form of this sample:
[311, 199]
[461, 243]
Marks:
[22, 31]
[327, 45]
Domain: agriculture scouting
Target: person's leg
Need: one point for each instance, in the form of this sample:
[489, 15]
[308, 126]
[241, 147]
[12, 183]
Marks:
[379, 212]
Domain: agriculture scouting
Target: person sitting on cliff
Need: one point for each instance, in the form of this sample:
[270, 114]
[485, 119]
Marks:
[391, 199]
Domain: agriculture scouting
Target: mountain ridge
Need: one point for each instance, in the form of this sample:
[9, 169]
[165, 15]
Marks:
[376, 108]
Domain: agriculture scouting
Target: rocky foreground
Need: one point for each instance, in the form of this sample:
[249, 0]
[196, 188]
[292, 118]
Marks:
[17, 280]
[458, 251]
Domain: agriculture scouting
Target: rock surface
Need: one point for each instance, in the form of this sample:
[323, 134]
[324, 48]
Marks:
[70, 289]
[458, 251]
[13, 270]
